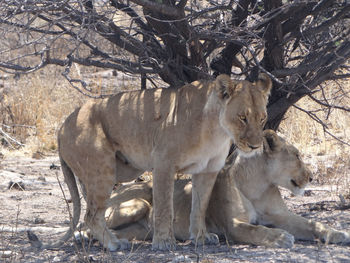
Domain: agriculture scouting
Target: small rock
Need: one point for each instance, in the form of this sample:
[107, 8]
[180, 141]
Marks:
[342, 199]
[16, 186]
[307, 193]
[15, 197]
[39, 221]
[56, 259]
[33, 239]
[7, 254]
[42, 178]
[92, 258]
[38, 155]
[181, 258]
[54, 167]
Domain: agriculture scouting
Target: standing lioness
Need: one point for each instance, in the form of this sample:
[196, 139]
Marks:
[165, 131]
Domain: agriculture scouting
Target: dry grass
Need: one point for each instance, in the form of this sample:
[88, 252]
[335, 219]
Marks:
[33, 107]
[309, 136]
[327, 157]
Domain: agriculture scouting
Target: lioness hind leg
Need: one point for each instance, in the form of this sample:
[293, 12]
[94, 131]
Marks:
[96, 222]
[127, 212]
[136, 231]
[129, 219]
[98, 190]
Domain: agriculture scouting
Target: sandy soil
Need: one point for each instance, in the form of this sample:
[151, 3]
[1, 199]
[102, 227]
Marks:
[31, 199]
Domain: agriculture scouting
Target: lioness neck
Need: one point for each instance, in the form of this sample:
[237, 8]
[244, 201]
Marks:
[251, 175]
[211, 116]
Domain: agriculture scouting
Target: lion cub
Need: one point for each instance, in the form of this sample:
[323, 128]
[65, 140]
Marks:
[244, 194]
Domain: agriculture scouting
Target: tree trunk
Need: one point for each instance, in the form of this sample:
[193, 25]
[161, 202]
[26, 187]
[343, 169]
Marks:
[273, 59]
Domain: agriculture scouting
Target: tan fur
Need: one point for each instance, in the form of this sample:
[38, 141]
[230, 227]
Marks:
[244, 194]
[187, 130]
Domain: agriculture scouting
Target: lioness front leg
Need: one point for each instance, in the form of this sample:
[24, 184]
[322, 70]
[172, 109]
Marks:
[259, 235]
[301, 228]
[202, 186]
[305, 229]
[163, 212]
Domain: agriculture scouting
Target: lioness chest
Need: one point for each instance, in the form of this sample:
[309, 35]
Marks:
[210, 157]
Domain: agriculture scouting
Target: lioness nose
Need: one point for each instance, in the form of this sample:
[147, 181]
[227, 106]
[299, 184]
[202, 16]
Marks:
[253, 147]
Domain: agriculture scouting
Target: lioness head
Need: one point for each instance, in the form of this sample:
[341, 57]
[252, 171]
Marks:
[244, 113]
[286, 168]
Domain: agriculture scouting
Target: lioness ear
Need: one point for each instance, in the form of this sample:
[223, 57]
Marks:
[264, 82]
[271, 141]
[225, 86]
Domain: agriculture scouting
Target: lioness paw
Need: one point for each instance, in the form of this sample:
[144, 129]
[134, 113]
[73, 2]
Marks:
[163, 244]
[120, 244]
[337, 237]
[285, 240]
[211, 239]
[207, 239]
[281, 239]
[82, 237]
[124, 244]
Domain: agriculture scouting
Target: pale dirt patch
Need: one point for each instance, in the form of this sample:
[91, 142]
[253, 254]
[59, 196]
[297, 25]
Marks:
[41, 208]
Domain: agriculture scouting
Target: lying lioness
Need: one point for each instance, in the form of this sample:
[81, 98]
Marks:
[245, 194]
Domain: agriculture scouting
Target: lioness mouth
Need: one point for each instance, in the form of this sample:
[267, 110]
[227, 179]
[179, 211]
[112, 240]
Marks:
[294, 183]
[253, 147]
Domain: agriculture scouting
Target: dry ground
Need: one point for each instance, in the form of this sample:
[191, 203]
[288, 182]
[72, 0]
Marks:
[40, 207]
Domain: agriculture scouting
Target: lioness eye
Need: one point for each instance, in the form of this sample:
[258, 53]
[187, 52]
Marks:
[243, 118]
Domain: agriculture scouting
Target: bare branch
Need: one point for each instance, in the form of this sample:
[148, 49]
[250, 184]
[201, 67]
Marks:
[9, 139]
[324, 126]
[330, 106]
[164, 9]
